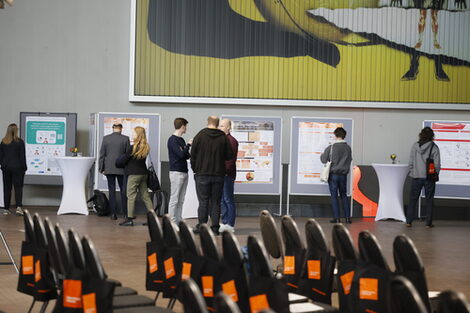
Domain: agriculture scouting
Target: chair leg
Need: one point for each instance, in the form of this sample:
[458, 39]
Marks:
[44, 306]
[173, 304]
[156, 297]
[31, 307]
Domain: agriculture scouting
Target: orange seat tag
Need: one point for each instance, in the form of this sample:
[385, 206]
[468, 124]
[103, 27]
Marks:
[37, 271]
[186, 273]
[369, 289]
[259, 303]
[72, 293]
[230, 289]
[153, 265]
[27, 262]
[346, 281]
[314, 269]
[169, 268]
[89, 303]
[207, 286]
[289, 265]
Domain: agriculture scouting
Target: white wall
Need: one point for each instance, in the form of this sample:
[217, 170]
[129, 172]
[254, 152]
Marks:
[73, 56]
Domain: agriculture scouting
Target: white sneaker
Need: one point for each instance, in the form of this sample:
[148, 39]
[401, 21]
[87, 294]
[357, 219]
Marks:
[222, 227]
[229, 228]
[19, 211]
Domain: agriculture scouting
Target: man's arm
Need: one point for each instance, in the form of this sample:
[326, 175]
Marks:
[228, 149]
[325, 156]
[194, 153]
[411, 162]
[437, 158]
[102, 156]
[176, 149]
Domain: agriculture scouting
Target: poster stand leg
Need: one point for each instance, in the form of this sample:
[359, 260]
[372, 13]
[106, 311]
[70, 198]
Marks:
[7, 248]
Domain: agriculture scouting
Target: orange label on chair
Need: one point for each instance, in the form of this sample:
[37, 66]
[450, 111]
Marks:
[27, 263]
[369, 289]
[230, 289]
[153, 265]
[72, 293]
[289, 265]
[37, 271]
[207, 286]
[346, 281]
[314, 271]
[259, 303]
[169, 268]
[89, 303]
[186, 273]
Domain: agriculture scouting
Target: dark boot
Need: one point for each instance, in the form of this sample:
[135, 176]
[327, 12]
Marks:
[127, 222]
[440, 74]
[335, 220]
[348, 220]
[414, 68]
[113, 217]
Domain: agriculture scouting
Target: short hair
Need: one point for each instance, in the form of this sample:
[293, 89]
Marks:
[340, 132]
[213, 120]
[179, 122]
[117, 125]
[426, 134]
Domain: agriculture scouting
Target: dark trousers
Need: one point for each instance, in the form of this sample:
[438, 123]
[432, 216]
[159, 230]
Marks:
[122, 181]
[12, 179]
[337, 183]
[209, 193]
[228, 202]
[429, 189]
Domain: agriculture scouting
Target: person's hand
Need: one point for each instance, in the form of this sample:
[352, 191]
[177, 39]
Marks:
[190, 142]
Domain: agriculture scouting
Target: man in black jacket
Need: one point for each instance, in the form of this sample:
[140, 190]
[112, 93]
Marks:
[209, 152]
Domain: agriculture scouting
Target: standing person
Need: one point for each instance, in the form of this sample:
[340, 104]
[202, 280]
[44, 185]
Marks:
[13, 162]
[114, 145]
[136, 171]
[339, 154]
[227, 205]
[178, 153]
[422, 150]
[209, 151]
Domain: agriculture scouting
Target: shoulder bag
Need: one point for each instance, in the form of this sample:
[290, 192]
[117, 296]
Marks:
[153, 183]
[431, 173]
[325, 172]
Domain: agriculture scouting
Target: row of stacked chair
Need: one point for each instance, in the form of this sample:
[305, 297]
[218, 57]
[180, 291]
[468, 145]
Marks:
[364, 280]
[62, 266]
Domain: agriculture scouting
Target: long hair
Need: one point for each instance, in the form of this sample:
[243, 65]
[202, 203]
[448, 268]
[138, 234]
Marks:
[141, 148]
[11, 134]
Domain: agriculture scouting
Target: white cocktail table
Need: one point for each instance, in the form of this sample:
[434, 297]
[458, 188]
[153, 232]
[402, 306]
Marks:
[391, 180]
[74, 173]
[191, 202]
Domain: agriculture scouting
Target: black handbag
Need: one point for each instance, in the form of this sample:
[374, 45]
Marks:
[431, 172]
[153, 183]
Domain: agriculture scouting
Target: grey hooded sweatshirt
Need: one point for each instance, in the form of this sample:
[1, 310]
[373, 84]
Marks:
[419, 155]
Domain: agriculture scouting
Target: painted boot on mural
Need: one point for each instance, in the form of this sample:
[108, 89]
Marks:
[414, 68]
[440, 74]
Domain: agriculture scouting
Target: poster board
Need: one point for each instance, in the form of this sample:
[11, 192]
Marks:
[259, 154]
[309, 138]
[101, 124]
[453, 140]
[46, 136]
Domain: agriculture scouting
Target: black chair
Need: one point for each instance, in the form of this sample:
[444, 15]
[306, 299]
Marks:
[294, 253]
[154, 227]
[271, 236]
[225, 304]
[452, 302]
[318, 271]
[155, 249]
[408, 263]
[28, 226]
[208, 245]
[343, 244]
[188, 240]
[193, 301]
[371, 251]
[56, 263]
[404, 298]
[172, 259]
[63, 249]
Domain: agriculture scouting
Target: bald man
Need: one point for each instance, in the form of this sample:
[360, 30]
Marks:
[227, 205]
[209, 151]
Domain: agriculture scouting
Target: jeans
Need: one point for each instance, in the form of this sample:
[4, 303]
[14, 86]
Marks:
[209, 193]
[137, 183]
[337, 182]
[12, 179]
[122, 181]
[178, 183]
[429, 189]
[227, 205]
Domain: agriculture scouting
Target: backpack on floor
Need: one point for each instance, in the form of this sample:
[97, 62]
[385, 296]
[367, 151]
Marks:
[100, 203]
[162, 201]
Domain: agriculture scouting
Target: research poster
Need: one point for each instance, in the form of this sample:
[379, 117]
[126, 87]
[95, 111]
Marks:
[45, 140]
[314, 137]
[255, 151]
[453, 139]
[128, 125]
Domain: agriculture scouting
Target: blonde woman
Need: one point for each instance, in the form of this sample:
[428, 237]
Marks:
[136, 171]
[13, 162]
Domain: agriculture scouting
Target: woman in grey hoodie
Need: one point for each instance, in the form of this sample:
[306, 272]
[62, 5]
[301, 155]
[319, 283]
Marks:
[422, 150]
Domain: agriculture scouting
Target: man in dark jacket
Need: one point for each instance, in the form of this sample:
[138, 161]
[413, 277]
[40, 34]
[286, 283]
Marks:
[209, 151]
[228, 202]
[113, 146]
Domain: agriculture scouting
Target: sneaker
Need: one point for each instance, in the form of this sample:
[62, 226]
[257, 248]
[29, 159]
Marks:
[229, 228]
[127, 222]
[19, 211]
[223, 227]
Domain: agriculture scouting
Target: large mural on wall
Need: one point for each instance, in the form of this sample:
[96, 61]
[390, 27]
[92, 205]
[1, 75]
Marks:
[348, 50]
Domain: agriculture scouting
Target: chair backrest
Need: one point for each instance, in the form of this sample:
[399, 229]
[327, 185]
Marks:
[290, 234]
[404, 298]
[343, 244]
[232, 252]
[271, 235]
[171, 236]
[52, 248]
[193, 301]
[154, 227]
[224, 304]
[452, 302]
[39, 232]
[208, 245]
[63, 248]
[315, 237]
[92, 260]
[76, 250]
[28, 227]
[188, 240]
[258, 259]
[370, 250]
